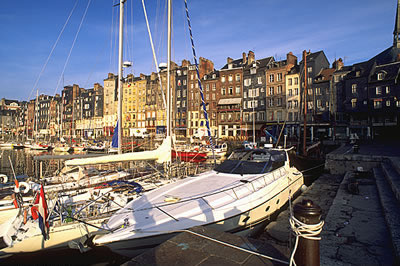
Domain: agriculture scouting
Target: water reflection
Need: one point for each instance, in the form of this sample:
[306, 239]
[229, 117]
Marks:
[24, 164]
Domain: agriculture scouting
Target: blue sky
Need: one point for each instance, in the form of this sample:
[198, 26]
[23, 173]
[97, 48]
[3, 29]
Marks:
[351, 29]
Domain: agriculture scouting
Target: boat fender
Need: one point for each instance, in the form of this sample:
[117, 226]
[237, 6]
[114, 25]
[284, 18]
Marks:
[25, 216]
[3, 179]
[23, 188]
[15, 202]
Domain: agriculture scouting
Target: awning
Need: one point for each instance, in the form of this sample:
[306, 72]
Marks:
[230, 101]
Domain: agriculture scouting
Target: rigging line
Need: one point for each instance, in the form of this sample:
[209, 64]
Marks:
[185, 31]
[154, 54]
[73, 43]
[132, 38]
[199, 82]
[111, 37]
[54, 46]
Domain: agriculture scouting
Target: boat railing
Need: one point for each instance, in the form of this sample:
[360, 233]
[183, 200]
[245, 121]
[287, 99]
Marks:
[254, 184]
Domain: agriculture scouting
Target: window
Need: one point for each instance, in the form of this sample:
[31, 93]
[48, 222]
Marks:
[259, 80]
[387, 103]
[319, 104]
[230, 91]
[309, 69]
[290, 81]
[184, 82]
[223, 91]
[354, 88]
[237, 89]
[279, 102]
[253, 70]
[289, 105]
[179, 82]
[271, 78]
[237, 77]
[296, 81]
[309, 80]
[279, 89]
[310, 92]
[398, 103]
[178, 93]
[317, 91]
[247, 82]
[358, 73]
[207, 87]
[290, 92]
[213, 86]
[270, 102]
[378, 104]
[223, 79]
[387, 89]
[296, 91]
[213, 96]
[378, 90]
[271, 91]
[336, 78]
[230, 78]
[245, 94]
[279, 77]
[296, 104]
[310, 105]
[380, 76]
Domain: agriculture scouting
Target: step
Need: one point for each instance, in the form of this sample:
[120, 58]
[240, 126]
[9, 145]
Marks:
[391, 208]
[393, 177]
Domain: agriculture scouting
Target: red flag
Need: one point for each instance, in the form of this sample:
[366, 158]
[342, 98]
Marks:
[43, 214]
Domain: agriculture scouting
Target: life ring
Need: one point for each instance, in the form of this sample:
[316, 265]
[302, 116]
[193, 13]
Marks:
[3, 179]
[23, 188]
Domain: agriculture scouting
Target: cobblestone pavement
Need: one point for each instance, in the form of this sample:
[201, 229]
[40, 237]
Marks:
[355, 231]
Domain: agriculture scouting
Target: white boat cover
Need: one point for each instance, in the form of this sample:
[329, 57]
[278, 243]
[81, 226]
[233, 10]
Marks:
[161, 154]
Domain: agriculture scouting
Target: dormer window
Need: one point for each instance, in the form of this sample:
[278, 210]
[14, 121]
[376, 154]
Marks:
[380, 76]
[230, 66]
[358, 73]
[205, 77]
[253, 70]
[214, 76]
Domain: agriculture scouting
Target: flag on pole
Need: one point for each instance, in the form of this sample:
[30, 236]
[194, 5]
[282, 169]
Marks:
[43, 214]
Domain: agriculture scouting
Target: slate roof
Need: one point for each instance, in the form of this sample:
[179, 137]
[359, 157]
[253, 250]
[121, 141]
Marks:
[390, 71]
[235, 64]
[311, 57]
[324, 75]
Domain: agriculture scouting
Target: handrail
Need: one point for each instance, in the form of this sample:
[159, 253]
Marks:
[217, 192]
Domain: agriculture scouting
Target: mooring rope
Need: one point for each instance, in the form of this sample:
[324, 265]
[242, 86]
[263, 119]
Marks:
[203, 103]
[300, 229]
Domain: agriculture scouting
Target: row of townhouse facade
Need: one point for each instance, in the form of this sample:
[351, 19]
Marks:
[247, 97]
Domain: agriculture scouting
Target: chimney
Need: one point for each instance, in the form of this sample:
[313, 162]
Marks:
[229, 60]
[291, 59]
[338, 64]
[244, 58]
[251, 57]
[185, 63]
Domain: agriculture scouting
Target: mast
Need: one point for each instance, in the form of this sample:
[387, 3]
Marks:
[120, 78]
[168, 72]
[305, 103]
[36, 114]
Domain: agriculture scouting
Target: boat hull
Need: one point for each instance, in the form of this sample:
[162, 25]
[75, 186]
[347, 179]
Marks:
[244, 224]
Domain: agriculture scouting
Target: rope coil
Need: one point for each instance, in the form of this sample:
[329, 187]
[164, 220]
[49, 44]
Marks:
[307, 231]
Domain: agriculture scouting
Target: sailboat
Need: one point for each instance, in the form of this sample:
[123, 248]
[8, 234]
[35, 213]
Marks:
[238, 196]
[309, 159]
[22, 234]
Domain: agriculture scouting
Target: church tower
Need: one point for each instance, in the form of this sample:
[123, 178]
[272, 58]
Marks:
[396, 33]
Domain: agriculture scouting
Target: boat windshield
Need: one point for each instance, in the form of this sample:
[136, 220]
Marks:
[258, 161]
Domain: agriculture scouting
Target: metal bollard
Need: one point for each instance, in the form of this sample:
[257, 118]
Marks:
[307, 253]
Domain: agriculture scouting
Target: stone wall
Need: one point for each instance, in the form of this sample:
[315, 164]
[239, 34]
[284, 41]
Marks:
[342, 163]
